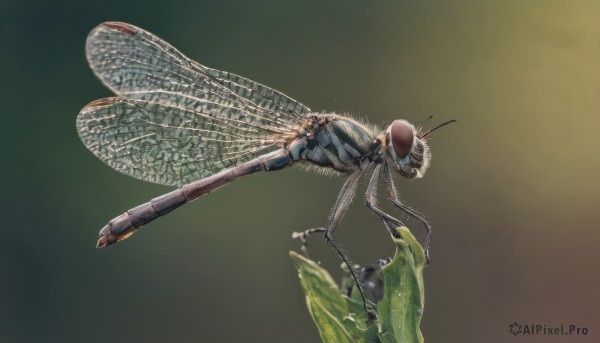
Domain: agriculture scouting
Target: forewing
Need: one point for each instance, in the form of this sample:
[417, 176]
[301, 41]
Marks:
[168, 144]
[136, 64]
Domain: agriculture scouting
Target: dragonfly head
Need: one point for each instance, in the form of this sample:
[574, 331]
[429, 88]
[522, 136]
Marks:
[407, 149]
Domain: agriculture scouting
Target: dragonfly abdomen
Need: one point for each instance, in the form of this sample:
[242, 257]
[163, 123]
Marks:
[131, 221]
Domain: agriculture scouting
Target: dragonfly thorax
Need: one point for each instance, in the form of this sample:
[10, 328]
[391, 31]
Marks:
[333, 141]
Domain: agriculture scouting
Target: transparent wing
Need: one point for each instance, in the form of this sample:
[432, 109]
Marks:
[168, 144]
[136, 64]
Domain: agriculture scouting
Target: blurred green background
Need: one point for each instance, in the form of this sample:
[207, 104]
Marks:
[512, 194]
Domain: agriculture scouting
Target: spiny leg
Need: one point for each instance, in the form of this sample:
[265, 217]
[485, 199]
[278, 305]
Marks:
[393, 196]
[371, 196]
[339, 209]
[302, 236]
[337, 213]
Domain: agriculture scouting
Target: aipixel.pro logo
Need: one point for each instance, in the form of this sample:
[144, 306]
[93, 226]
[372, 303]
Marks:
[543, 329]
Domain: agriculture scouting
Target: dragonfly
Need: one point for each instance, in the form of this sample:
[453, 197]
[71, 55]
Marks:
[177, 122]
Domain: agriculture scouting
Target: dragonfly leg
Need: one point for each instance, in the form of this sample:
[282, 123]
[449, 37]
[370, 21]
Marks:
[393, 196]
[339, 209]
[302, 236]
[371, 198]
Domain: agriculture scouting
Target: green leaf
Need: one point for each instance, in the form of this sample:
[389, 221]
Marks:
[324, 301]
[401, 309]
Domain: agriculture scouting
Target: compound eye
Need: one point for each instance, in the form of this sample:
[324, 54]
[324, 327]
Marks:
[401, 135]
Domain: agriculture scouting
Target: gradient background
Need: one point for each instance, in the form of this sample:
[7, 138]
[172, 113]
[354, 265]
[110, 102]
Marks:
[513, 192]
